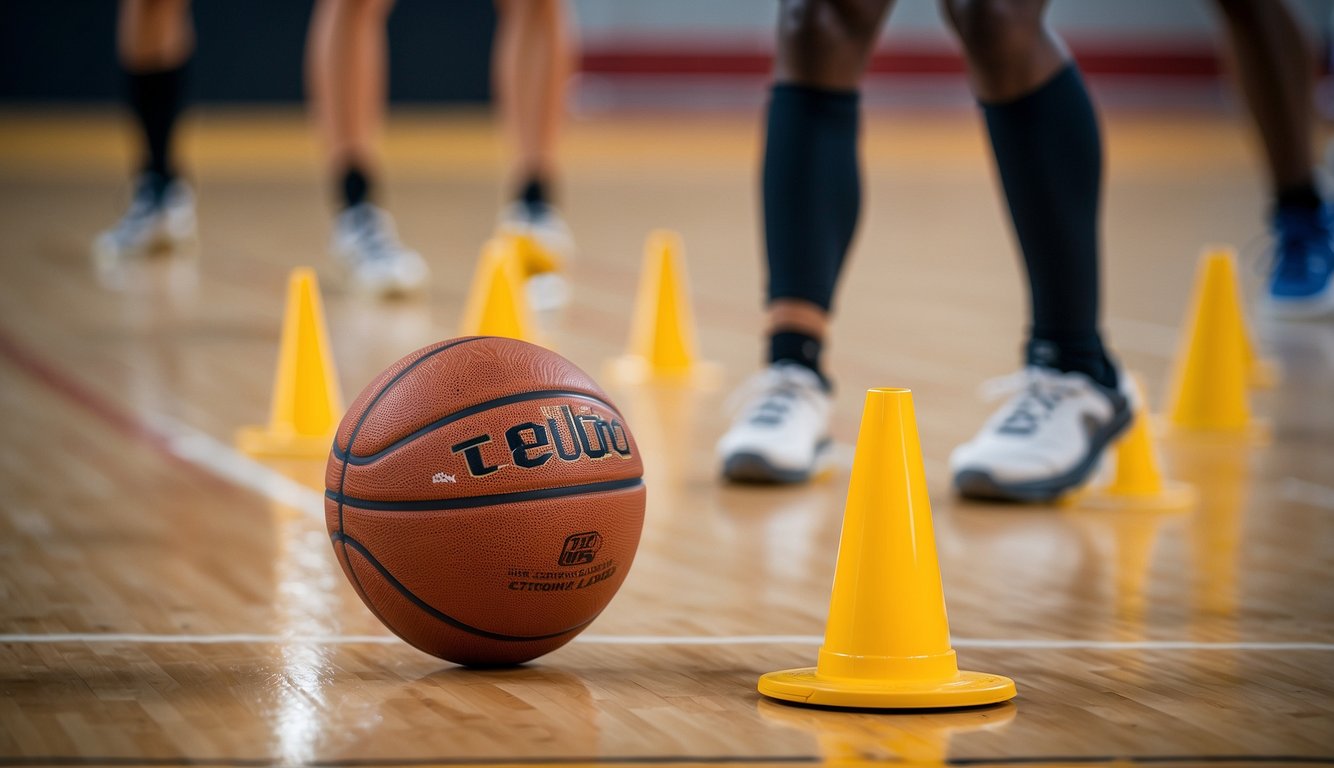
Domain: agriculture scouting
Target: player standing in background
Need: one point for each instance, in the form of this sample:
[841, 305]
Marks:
[347, 74]
[154, 42]
[1046, 440]
[1044, 134]
[1276, 71]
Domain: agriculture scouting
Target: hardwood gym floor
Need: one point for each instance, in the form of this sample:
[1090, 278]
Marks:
[167, 602]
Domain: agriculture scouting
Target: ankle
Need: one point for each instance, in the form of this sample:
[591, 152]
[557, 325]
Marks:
[798, 348]
[1083, 355]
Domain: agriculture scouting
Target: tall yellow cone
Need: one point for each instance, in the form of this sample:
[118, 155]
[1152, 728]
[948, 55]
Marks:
[306, 400]
[1139, 480]
[887, 641]
[662, 334]
[497, 304]
[1210, 380]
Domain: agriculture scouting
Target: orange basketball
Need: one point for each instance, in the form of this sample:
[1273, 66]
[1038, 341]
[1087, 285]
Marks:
[485, 499]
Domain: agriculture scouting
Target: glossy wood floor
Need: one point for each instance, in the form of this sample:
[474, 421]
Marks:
[166, 602]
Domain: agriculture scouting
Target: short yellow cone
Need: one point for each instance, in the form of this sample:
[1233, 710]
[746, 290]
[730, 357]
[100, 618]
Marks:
[887, 641]
[497, 304]
[1210, 379]
[534, 258]
[1139, 480]
[662, 334]
[307, 403]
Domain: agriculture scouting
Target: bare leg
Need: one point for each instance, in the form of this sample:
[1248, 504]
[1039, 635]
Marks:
[153, 35]
[530, 74]
[1009, 49]
[346, 79]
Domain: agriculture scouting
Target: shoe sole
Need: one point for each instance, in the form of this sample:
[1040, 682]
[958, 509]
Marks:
[980, 485]
[754, 469]
[1309, 309]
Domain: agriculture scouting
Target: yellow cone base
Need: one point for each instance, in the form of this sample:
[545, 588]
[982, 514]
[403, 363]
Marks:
[637, 369]
[965, 689]
[262, 441]
[1170, 496]
[1255, 432]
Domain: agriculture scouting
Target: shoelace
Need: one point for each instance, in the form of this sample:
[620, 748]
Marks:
[376, 234]
[138, 218]
[1039, 394]
[775, 392]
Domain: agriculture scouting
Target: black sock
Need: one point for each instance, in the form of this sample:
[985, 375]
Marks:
[812, 190]
[1085, 355]
[800, 348]
[533, 193]
[355, 188]
[1299, 197]
[1049, 155]
[157, 99]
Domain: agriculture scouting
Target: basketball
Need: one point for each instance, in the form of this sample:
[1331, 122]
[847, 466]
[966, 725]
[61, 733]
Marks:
[485, 499]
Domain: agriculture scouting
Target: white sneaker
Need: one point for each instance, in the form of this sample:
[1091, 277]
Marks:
[367, 245]
[1046, 440]
[781, 430]
[547, 289]
[544, 224]
[151, 224]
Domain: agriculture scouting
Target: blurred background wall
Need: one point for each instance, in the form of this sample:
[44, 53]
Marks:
[251, 50]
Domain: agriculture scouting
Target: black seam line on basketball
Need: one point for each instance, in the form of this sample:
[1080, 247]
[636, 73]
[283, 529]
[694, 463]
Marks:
[243, 762]
[472, 410]
[346, 561]
[437, 613]
[356, 428]
[490, 500]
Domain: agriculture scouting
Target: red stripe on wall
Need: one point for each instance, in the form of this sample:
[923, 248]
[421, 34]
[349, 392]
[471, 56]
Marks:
[1158, 60]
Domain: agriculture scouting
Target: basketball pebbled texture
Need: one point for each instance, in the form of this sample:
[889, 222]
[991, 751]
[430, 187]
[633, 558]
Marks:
[485, 499]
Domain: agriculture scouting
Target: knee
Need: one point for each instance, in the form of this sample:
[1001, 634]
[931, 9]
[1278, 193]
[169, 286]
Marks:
[996, 33]
[825, 42]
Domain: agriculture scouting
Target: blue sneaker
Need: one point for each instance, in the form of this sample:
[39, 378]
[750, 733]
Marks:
[1300, 285]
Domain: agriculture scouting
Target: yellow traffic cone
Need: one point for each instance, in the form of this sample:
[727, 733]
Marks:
[1210, 380]
[307, 403]
[1261, 372]
[887, 641]
[534, 258]
[496, 304]
[1139, 481]
[662, 334]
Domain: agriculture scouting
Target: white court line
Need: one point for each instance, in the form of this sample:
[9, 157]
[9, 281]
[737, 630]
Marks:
[699, 640]
[212, 455]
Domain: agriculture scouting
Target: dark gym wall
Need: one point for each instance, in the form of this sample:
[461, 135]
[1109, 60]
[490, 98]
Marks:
[247, 50]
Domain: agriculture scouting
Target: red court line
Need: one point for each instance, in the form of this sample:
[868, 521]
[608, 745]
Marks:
[119, 419]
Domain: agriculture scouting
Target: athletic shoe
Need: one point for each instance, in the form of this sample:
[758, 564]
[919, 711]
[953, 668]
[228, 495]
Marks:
[546, 288]
[366, 244]
[1300, 286]
[1046, 440]
[544, 224]
[780, 433]
[156, 221]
